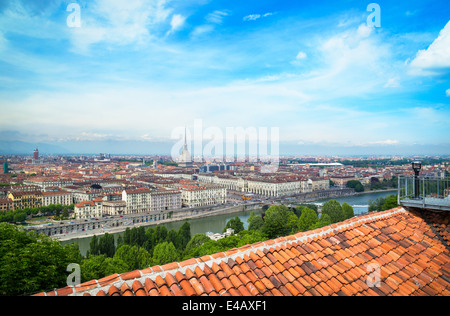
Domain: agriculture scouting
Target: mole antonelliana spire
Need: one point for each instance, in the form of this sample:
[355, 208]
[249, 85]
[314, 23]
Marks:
[185, 160]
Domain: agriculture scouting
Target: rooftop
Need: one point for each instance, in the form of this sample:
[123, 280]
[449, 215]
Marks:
[407, 251]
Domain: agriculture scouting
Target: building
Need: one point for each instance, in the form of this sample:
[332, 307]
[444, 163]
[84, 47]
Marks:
[88, 210]
[392, 253]
[185, 159]
[163, 200]
[56, 197]
[143, 200]
[138, 200]
[6, 205]
[25, 199]
[48, 182]
[114, 208]
[36, 154]
[5, 167]
[194, 194]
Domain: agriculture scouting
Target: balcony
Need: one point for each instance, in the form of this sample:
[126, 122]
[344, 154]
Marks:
[424, 192]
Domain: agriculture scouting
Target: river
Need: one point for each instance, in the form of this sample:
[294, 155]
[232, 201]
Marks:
[216, 223]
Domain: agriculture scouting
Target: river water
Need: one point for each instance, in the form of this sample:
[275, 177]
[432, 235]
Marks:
[215, 224]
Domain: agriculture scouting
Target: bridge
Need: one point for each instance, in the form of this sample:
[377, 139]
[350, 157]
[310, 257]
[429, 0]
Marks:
[429, 193]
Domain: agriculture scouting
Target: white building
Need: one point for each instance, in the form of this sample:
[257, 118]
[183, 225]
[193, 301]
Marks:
[56, 197]
[143, 200]
[196, 194]
[88, 210]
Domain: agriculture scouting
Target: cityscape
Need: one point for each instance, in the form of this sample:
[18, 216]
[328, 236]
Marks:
[211, 148]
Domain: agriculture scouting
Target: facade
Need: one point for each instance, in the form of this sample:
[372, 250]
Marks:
[56, 197]
[88, 210]
[138, 200]
[196, 195]
[6, 205]
[48, 182]
[149, 200]
[25, 199]
[163, 200]
[113, 208]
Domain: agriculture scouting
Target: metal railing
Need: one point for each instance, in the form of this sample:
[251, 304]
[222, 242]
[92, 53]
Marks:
[424, 192]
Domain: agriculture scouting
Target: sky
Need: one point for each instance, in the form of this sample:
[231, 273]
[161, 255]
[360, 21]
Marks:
[335, 77]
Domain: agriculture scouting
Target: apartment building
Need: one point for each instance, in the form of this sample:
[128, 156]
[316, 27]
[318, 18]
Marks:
[6, 205]
[25, 199]
[56, 197]
[194, 194]
[142, 200]
[88, 210]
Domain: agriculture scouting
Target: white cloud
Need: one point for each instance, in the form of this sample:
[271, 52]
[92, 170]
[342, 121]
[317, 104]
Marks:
[121, 22]
[216, 17]
[301, 55]
[392, 83]
[436, 58]
[254, 17]
[385, 142]
[176, 23]
[447, 92]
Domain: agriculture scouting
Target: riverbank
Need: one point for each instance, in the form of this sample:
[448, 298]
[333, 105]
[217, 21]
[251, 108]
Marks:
[121, 229]
[377, 191]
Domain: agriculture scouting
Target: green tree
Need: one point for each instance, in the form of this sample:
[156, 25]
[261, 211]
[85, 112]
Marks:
[97, 267]
[355, 184]
[334, 209]
[133, 256]
[234, 223]
[184, 236]
[324, 220]
[106, 245]
[30, 263]
[347, 210]
[390, 202]
[307, 220]
[164, 253]
[255, 222]
[194, 244]
[94, 249]
[278, 221]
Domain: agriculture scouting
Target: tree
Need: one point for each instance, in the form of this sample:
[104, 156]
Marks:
[106, 245]
[390, 202]
[347, 210]
[94, 249]
[164, 253]
[194, 244]
[234, 223]
[355, 184]
[334, 209]
[324, 220]
[133, 256]
[307, 219]
[184, 236]
[31, 263]
[255, 222]
[278, 221]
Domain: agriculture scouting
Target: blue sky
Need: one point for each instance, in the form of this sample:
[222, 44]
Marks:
[135, 70]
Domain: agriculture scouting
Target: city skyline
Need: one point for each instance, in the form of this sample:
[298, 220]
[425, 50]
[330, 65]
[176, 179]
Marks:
[131, 72]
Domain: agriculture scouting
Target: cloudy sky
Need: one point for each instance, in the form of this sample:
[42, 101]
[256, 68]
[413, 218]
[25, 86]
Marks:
[133, 71]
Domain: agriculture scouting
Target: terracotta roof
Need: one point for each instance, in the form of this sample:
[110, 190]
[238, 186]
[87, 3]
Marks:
[411, 256]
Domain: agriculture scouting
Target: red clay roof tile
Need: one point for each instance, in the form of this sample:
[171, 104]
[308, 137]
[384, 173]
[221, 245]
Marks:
[411, 258]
